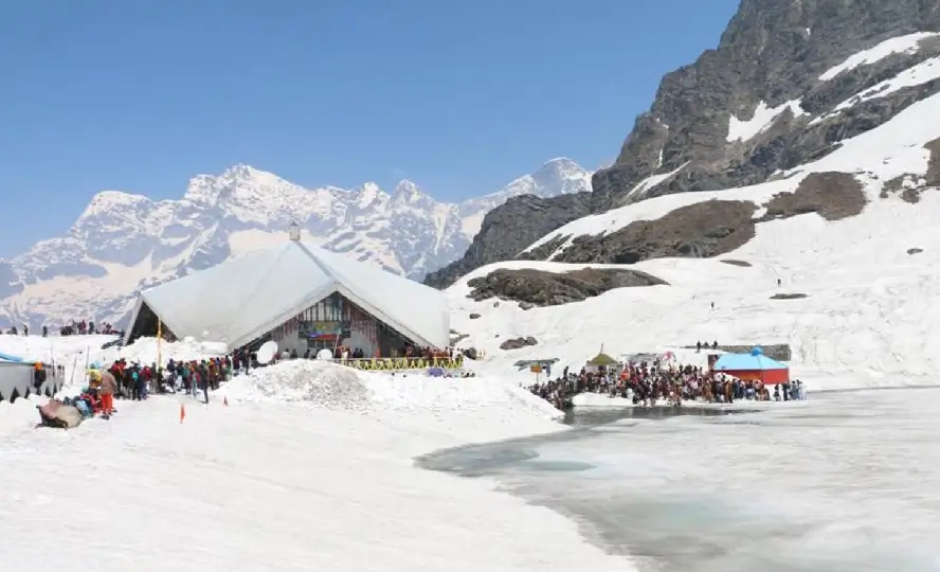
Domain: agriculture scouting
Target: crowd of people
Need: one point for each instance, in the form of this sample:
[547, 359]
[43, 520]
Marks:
[82, 328]
[87, 327]
[649, 383]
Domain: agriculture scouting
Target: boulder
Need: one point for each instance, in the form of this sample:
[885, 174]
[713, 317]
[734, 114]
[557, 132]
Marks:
[518, 343]
[789, 296]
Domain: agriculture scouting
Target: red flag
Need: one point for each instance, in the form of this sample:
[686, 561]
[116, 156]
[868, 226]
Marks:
[182, 412]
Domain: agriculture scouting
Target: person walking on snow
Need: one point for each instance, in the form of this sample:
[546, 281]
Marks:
[108, 387]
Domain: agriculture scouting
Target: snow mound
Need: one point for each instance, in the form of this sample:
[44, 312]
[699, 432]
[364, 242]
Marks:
[57, 348]
[19, 416]
[144, 351]
[424, 393]
[324, 385]
[311, 382]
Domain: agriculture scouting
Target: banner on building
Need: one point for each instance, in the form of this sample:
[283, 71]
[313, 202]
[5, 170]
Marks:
[321, 330]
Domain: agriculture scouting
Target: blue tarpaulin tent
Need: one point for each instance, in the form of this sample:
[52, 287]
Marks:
[753, 366]
[8, 357]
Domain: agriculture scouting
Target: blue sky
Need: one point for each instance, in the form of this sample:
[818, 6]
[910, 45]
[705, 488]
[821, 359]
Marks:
[458, 96]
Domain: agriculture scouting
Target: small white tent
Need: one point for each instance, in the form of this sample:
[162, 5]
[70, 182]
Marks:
[246, 297]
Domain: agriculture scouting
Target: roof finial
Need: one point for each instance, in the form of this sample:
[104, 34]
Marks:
[294, 232]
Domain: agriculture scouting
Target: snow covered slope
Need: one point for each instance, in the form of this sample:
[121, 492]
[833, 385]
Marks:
[123, 242]
[871, 311]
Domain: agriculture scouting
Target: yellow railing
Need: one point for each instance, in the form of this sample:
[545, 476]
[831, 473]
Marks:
[401, 364]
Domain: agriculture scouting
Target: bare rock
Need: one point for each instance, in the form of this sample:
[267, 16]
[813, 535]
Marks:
[833, 196]
[539, 288]
[518, 343]
[545, 251]
[910, 187]
[699, 230]
[907, 186]
[740, 263]
[789, 296]
[474, 316]
[933, 167]
[914, 250]
[510, 228]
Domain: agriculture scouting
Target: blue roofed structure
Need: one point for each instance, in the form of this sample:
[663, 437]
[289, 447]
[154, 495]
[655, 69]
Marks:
[753, 367]
[747, 362]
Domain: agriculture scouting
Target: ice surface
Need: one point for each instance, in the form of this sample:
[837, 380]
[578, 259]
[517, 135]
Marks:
[844, 483]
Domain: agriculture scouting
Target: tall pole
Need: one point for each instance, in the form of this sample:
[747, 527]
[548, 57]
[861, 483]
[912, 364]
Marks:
[159, 354]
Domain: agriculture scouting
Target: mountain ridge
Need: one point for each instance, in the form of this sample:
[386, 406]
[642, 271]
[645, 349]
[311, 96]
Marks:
[122, 242]
[789, 81]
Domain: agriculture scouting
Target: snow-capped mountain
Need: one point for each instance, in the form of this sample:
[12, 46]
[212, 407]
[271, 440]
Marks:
[123, 242]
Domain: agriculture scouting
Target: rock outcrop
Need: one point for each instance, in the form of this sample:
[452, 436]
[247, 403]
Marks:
[772, 55]
[789, 296]
[539, 288]
[833, 196]
[507, 230]
[699, 230]
[518, 343]
[715, 227]
[740, 263]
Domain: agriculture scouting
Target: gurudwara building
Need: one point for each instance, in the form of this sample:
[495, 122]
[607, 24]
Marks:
[301, 296]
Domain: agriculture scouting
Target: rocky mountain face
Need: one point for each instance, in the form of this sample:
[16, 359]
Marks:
[788, 81]
[124, 242]
[780, 64]
[509, 229]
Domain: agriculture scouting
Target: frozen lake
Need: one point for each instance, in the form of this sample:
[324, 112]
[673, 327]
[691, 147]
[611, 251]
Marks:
[845, 482]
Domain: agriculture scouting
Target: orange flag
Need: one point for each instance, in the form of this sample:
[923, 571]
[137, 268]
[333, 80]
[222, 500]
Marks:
[182, 412]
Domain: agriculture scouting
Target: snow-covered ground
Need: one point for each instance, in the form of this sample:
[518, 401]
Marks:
[870, 318]
[54, 348]
[315, 475]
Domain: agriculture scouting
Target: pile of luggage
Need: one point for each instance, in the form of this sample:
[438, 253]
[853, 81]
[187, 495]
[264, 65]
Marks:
[94, 400]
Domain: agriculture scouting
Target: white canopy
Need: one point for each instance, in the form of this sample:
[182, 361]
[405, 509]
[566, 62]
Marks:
[246, 297]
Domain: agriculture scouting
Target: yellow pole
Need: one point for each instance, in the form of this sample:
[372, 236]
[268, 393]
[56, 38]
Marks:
[160, 357]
